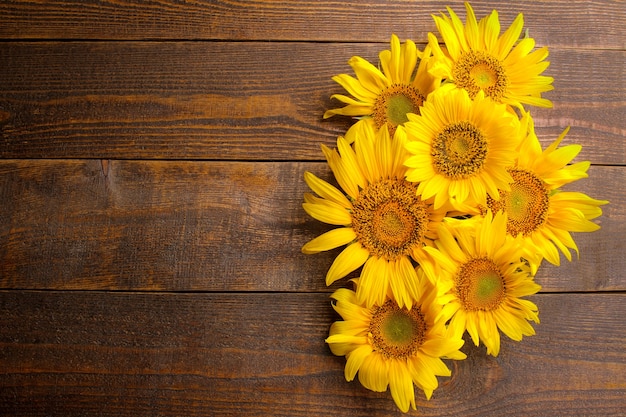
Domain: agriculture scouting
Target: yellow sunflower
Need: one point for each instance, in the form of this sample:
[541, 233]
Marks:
[476, 58]
[386, 96]
[385, 223]
[461, 148]
[483, 277]
[537, 209]
[393, 346]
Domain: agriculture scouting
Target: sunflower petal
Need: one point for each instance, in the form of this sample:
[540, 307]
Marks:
[325, 190]
[401, 386]
[330, 240]
[351, 258]
[328, 212]
[355, 359]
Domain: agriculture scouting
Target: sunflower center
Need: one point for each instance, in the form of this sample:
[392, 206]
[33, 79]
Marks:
[394, 103]
[459, 151]
[397, 332]
[479, 285]
[477, 70]
[389, 219]
[526, 204]
[484, 76]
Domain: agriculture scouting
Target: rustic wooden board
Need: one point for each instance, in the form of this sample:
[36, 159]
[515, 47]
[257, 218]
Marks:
[217, 226]
[136, 100]
[258, 101]
[151, 164]
[128, 354]
[555, 22]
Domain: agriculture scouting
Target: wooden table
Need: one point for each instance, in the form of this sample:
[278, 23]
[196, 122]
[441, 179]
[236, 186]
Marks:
[151, 181]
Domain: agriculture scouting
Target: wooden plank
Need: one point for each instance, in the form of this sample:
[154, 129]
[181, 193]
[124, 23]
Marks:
[153, 100]
[130, 354]
[558, 23]
[215, 226]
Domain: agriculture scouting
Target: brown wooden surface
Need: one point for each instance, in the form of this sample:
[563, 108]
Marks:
[151, 162]
[597, 24]
[258, 101]
[211, 226]
[98, 353]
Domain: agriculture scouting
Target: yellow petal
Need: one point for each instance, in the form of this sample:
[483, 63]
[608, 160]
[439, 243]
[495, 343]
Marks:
[373, 374]
[344, 338]
[347, 261]
[369, 76]
[441, 346]
[328, 212]
[374, 282]
[491, 30]
[510, 36]
[355, 88]
[325, 190]
[573, 220]
[350, 110]
[422, 376]
[355, 360]
[471, 29]
[401, 386]
[343, 177]
[330, 240]
[349, 162]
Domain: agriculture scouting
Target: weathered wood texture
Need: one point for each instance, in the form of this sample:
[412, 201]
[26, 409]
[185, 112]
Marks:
[218, 226]
[151, 178]
[555, 22]
[116, 354]
[156, 100]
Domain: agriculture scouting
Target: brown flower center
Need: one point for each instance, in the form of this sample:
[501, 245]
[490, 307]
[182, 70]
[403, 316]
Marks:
[459, 150]
[389, 219]
[526, 204]
[477, 70]
[480, 285]
[393, 105]
[397, 332]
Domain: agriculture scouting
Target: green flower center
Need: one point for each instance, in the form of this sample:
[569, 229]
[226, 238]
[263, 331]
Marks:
[459, 150]
[480, 285]
[397, 332]
[394, 103]
[484, 76]
[526, 204]
[397, 108]
[389, 219]
[477, 70]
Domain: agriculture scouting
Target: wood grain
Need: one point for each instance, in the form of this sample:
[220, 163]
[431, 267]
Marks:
[151, 178]
[139, 101]
[120, 354]
[217, 226]
[569, 24]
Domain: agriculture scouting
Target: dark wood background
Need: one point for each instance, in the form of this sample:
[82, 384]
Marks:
[151, 163]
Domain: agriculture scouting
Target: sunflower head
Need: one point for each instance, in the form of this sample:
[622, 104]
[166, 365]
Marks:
[486, 273]
[537, 208]
[384, 224]
[385, 96]
[393, 346]
[477, 58]
[460, 148]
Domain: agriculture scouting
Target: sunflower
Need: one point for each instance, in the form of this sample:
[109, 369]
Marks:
[393, 346]
[484, 274]
[476, 58]
[386, 96]
[537, 209]
[385, 223]
[460, 148]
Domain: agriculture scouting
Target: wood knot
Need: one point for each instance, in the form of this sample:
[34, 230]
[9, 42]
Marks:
[4, 117]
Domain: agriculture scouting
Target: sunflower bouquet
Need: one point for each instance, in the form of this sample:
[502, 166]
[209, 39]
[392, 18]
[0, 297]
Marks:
[447, 203]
